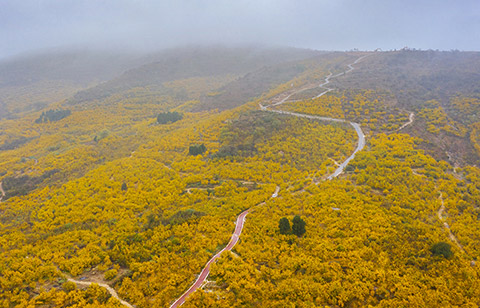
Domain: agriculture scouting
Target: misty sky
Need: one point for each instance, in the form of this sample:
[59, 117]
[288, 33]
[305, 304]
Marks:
[29, 25]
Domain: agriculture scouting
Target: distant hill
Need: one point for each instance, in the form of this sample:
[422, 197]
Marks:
[81, 67]
[31, 82]
[184, 63]
[417, 77]
[262, 79]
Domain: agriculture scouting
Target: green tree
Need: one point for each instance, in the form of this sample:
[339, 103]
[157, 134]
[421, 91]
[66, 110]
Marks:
[197, 149]
[53, 115]
[124, 186]
[442, 249]
[298, 226]
[169, 117]
[284, 226]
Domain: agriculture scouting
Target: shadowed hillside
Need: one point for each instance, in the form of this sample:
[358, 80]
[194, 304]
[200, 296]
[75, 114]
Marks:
[32, 82]
[441, 88]
[201, 62]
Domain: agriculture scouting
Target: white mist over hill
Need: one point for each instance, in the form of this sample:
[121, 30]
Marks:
[325, 25]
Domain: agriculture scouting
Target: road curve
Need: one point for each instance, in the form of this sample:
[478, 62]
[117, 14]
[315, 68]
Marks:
[360, 145]
[411, 117]
[356, 126]
[103, 285]
[206, 270]
[241, 218]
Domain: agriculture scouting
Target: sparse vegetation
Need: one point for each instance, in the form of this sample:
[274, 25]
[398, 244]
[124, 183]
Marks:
[22, 185]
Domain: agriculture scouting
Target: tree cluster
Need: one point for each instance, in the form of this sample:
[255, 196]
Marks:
[442, 249]
[53, 115]
[169, 117]
[197, 149]
[298, 226]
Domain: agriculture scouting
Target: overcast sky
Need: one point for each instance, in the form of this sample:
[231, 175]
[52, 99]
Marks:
[29, 25]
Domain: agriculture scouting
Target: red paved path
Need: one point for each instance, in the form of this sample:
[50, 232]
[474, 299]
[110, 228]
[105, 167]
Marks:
[206, 270]
[241, 218]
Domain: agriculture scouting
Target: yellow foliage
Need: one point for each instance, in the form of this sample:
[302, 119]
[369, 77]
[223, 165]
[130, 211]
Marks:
[127, 197]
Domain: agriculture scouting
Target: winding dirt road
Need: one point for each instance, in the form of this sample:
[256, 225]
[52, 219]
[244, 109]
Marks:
[104, 285]
[241, 218]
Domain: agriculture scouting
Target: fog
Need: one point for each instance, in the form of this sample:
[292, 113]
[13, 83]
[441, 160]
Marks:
[31, 25]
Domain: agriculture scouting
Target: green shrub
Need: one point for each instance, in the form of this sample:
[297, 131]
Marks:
[169, 117]
[442, 249]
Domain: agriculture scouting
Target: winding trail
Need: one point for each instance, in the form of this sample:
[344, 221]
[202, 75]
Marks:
[411, 117]
[241, 218]
[206, 270]
[309, 87]
[356, 126]
[445, 224]
[103, 285]
[2, 192]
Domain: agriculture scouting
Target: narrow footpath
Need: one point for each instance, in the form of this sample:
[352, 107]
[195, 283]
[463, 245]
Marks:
[445, 224]
[2, 192]
[103, 285]
[411, 117]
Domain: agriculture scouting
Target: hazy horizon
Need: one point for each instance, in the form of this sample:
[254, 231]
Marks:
[146, 26]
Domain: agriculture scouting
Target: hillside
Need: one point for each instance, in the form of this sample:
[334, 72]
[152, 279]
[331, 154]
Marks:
[200, 157]
[33, 81]
[199, 62]
[440, 88]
